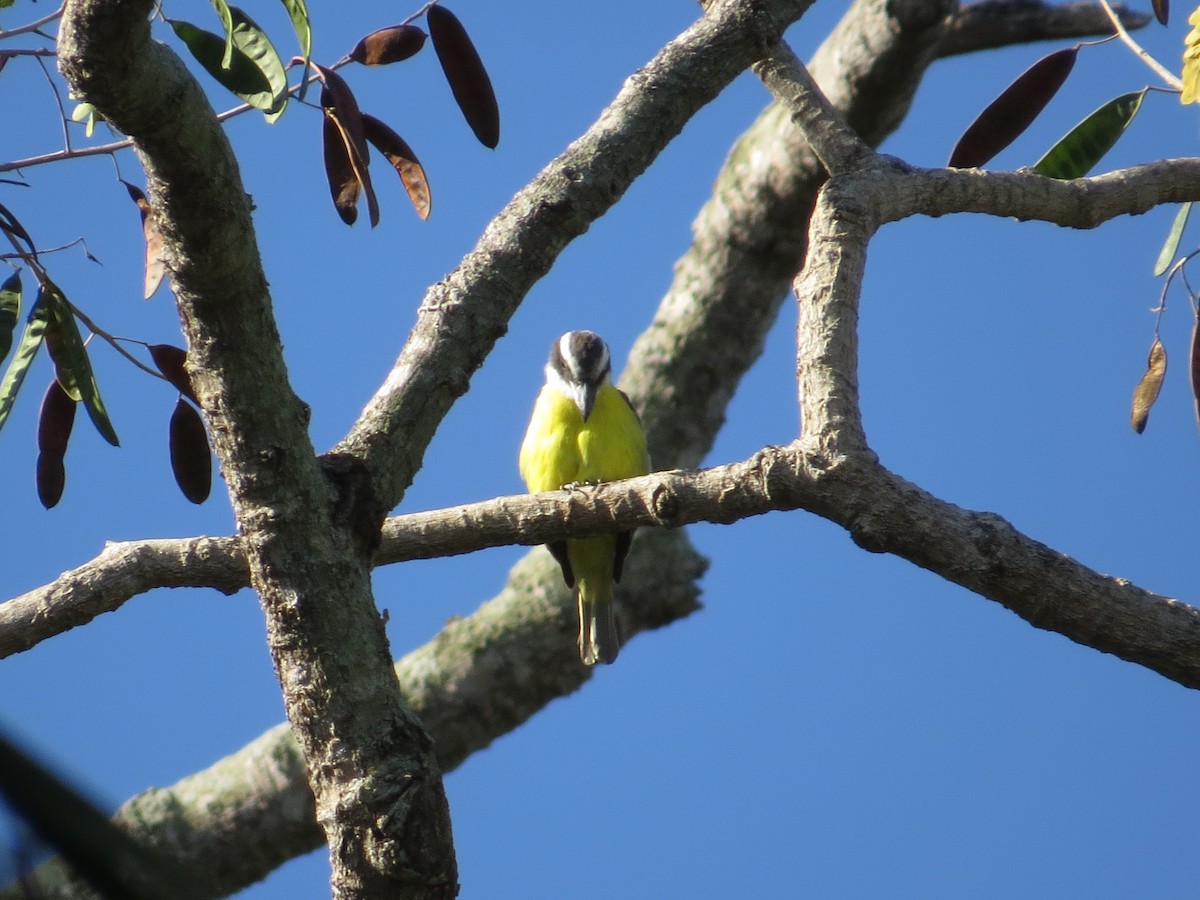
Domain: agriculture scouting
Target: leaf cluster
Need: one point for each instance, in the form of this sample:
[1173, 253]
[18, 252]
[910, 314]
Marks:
[1075, 155]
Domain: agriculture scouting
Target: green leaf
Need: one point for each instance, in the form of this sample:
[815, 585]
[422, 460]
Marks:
[298, 12]
[10, 224]
[226, 15]
[255, 44]
[1085, 144]
[71, 364]
[1172, 243]
[85, 113]
[10, 311]
[27, 349]
[244, 76]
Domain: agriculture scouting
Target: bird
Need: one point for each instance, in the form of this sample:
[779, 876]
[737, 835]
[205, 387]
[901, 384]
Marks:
[584, 431]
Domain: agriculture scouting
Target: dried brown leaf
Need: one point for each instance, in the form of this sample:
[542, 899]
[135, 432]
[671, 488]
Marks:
[1148, 387]
[388, 45]
[468, 79]
[191, 461]
[403, 160]
[155, 268]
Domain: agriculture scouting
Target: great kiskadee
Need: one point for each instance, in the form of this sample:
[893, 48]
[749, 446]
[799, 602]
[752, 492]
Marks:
[583, 431]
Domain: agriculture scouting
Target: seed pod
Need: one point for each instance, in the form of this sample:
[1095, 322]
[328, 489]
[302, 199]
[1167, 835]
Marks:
[344, 186]
[191, 460]
[403, 160]
[1194, 368]
[1148, 387]
[51, 478]
[1007, 117]
[388, 45]
[341, 109]
[172, 363]
[55, 420]
[468, 79]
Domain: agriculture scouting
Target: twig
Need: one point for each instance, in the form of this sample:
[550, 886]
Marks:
[62, 110]
[32, 27]
[1133, 45]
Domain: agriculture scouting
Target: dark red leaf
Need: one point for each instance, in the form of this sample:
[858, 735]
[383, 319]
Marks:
[191, 461]
[1194, 367]
[388, 45]
[55, 420]
[51, 478]
[466, 75]
[1014, 110]
[403, 160]
[172, 363]
[1160, 10]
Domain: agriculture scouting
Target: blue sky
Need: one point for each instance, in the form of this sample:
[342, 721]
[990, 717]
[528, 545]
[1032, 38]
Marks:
[833, 723]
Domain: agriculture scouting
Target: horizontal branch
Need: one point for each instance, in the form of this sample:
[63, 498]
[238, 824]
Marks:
[124, 570]
[1002, 23]
[898, 191]
[232, 823]
[977, 550]
[121, 571]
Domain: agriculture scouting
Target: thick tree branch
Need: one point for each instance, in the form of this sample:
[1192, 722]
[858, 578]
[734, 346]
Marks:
[127, 569]
[750, 237]
[866, 77]
[120, 572]
[1002, 23]
[486, 673]
[483, 675]
[462, 316]
[308, 526]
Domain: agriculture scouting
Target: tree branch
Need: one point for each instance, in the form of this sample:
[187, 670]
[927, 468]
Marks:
[462, 316]
[863, 79]
[307, 526]
[1002, 23]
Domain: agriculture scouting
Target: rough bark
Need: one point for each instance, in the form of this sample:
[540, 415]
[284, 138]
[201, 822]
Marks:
[308, 526]
[829, 470]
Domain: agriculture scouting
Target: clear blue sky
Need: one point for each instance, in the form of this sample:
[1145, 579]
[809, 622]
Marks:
[833, 723]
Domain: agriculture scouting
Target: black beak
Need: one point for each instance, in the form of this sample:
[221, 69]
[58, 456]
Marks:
[585, 399]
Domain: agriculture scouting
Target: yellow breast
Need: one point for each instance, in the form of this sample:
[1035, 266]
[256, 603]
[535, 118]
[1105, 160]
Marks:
[560, 448]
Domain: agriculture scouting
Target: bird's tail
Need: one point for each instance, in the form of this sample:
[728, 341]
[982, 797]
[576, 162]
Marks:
[597, 628]
[592, 562]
